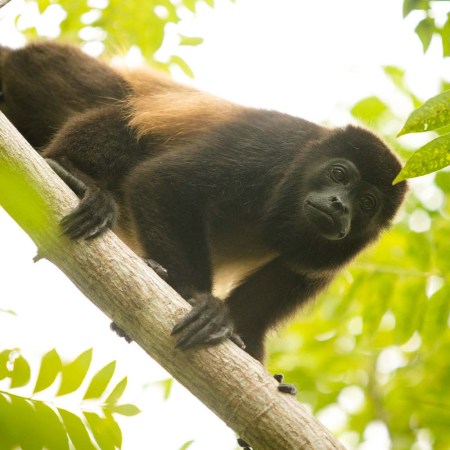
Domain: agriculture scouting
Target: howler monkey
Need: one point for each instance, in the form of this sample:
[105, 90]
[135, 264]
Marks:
[255, 207]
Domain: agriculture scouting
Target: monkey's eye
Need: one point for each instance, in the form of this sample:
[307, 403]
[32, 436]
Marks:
[339, 174]
[368, 203]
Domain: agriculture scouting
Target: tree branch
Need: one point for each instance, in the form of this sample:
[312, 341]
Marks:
[227, 380]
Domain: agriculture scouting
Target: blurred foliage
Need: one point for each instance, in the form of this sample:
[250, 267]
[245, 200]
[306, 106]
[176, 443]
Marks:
[428, 26]
[186, 445]
[374, 349]
[116, 26]
[29, 422]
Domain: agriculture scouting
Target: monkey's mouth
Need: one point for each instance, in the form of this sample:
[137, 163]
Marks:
[324, 221]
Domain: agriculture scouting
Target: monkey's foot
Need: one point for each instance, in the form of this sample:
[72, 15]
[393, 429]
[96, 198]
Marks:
[120, 332]
[243, 444]
[207, 323]
[95, 213]
[158, 268]
[286, 388]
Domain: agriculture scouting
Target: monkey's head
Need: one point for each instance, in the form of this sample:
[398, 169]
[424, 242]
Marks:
[347, 190]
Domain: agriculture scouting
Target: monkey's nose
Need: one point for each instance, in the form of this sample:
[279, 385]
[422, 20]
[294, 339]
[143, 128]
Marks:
[338, 204]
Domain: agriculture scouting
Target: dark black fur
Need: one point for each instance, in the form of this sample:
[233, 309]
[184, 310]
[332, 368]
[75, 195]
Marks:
[259, 186]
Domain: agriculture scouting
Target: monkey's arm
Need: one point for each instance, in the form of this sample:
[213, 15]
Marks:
[265, 298]
[168, 197]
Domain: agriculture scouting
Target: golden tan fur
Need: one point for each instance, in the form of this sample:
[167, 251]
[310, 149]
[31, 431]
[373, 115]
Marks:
[156, 107]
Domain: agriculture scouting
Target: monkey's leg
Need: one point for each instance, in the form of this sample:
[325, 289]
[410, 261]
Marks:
[265, 298]
[46, 83]
[168, 215]
[92, 153]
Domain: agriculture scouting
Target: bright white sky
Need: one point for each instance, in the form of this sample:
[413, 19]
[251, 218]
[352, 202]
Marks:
[309, 58]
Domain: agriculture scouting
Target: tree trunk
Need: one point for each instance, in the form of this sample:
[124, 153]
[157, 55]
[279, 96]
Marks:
[226, 379]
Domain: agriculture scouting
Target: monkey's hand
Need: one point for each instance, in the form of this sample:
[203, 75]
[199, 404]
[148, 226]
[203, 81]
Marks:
[207, 323]
[96, 212]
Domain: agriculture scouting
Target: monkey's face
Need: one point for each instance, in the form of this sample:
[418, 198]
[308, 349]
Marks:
[339, 202]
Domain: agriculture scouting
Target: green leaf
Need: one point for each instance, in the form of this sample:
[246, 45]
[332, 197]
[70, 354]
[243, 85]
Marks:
[186, 445]
[50, 427]
[8, 440]
[190, 4]
[396, 74]
[182, 64]
[431, 157]
[20, 425]
[74, 373]
[20, 375]
[117, 392]
[77, 431]
[190, 40]
[125, 410]
[425, 30]
[445, 36]
[167, 386]
[4, 360]
[100, 381]
[50, 367]
[104, 430]
[369, 110]
[442, 181]
[433, 114]
[411, 5]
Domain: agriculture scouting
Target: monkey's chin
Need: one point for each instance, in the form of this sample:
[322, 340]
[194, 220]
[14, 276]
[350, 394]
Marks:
[324, 223]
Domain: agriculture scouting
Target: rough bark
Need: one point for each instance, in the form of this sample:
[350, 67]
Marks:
[231, 383]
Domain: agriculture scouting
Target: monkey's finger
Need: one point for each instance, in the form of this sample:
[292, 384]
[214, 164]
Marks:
[158, 268]
[190, 317]
[237, 340]
[196, 340]
[98, 230]
[218, 337]
[201, 335]
[243, 444]
[279, 377]
[82, 224]
[287, 388]
[76, 223]
[194, 334]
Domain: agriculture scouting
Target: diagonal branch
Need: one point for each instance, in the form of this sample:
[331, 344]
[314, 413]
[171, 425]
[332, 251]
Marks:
[227, 380]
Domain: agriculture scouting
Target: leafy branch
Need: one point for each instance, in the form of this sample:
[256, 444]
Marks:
[25, 420]
[434, 114]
